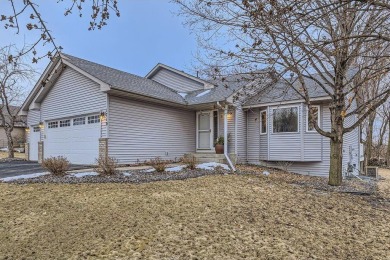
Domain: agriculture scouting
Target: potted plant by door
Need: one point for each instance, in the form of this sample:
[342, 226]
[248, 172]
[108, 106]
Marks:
[219, 145]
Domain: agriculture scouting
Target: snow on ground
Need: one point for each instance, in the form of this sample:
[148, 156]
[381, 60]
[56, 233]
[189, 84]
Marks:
[127, 174]
[25, 176]
[175, 169]
[203, 93]
[211, 166]
[148, 170]
[82, 174]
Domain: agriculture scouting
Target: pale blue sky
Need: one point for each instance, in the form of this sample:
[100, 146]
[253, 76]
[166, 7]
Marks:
[148, 32]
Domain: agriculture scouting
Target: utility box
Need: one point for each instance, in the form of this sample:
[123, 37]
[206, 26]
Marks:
[372, 171]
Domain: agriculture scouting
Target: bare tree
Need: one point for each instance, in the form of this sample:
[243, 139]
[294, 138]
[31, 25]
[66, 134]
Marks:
[328, 42]
[100, 14]
[13, 75]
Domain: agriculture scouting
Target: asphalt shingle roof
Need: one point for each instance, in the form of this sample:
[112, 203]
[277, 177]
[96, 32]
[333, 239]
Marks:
[125, 81]
[282, 91]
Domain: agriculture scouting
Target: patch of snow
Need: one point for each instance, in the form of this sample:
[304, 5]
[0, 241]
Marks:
[4, 149]
[203, 93]
[82, 174]
[175, 169]
[182, 94]
[148, 170]
[127, 174]
[25, 176]
[211, 166]
[266, 173]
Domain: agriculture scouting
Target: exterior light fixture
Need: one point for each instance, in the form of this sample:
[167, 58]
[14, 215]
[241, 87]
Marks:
[41, 125]
[103, 117]
[27, 130]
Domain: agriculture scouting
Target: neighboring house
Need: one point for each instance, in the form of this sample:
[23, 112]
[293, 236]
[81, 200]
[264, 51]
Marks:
[18, 133]
[80, 109]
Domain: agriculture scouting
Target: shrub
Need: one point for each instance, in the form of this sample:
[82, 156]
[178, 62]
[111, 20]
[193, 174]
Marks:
[285, 166]
[56, 165]
[220, 140]
[158, 164]
[106, 165]
[189, 160]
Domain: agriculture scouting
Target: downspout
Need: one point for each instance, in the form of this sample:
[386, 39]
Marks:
[225, 136]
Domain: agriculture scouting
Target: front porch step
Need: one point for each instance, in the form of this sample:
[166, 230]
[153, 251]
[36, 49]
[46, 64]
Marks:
[209, 157]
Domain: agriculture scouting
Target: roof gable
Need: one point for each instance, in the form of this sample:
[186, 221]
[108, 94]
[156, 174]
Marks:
[176, 79]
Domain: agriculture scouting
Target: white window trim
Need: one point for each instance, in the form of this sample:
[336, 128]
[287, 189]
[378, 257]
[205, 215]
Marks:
[81, 117]
[261, 122]
[95, 116]
[318, 119]
[48, 124]
[298, 117]
[63, 121]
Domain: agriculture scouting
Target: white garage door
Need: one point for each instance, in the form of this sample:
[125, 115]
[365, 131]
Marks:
[77, 139]
[34, 139]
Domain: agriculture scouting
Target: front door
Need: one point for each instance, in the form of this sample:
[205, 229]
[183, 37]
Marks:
[205, 130]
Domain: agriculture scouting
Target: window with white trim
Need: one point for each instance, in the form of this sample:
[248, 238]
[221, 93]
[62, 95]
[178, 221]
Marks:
[93, 119]
[316, 114]
[263, 122]
[36, 128]
[65, 123]
[286, 120]
[79, 121]
[53, 124]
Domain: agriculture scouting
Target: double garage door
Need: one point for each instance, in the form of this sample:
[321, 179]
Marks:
[77, 139]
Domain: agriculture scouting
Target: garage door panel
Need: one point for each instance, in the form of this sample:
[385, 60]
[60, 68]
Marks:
[79, 144]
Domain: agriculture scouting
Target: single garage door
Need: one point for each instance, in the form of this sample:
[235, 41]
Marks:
[77, 139]
[34, 139]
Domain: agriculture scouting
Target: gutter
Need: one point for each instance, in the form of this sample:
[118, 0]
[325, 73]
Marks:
[225, 136]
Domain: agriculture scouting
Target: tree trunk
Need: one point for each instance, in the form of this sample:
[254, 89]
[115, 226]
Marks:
[336, 162]
[10, 143]
[388, 148]
[370, 130]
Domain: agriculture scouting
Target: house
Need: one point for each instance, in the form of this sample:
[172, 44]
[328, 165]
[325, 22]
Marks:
[18, 134]
[82, 110]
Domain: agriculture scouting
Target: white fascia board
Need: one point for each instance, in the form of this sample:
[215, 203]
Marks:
[287, 102]
[103, 86]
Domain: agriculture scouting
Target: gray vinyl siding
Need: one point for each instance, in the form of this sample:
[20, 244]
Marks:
[320, 168]
[73, 94]
[33, 119]
[351, 144]
[279, 142]
[176, 81]
[253, 136]
[140, 131]
[241, 135]
[313, 142]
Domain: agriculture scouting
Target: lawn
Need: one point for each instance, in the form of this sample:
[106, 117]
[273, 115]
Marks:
[212, 217]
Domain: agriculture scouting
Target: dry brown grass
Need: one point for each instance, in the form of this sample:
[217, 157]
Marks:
[17, 155]
[214, 217]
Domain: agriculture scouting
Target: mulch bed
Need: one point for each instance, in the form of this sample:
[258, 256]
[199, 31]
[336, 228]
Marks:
[353, 186]
[134, 177]
[320, 184]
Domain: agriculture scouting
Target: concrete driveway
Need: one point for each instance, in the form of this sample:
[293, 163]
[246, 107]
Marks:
[16, 168]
